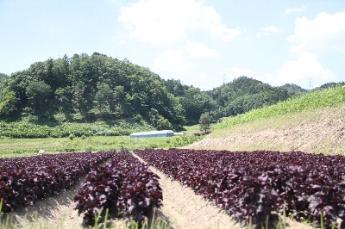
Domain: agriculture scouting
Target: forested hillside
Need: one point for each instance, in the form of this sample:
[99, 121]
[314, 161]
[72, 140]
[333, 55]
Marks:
[193, 100]
[245, 94]
[236, 97]
[293, 89]
[3, 77]
[329, 85]
[88, 88]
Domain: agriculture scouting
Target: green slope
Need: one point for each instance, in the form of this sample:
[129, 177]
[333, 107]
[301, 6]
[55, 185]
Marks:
[311, 101]
[314, 123]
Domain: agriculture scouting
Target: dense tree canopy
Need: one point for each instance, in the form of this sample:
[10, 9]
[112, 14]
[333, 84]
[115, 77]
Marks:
[193, 100]
[3, 78]
[244, 94]
[88, 88]
[329, 85]
[293, 89]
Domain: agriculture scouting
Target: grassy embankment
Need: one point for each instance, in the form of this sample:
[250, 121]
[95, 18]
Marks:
[314, 122]
[309, 102]
[10, 147]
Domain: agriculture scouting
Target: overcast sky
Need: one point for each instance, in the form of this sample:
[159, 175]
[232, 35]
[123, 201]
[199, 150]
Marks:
[201, 42]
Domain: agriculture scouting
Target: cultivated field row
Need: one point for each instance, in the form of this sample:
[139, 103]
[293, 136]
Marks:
[257, 187]
[254, 189]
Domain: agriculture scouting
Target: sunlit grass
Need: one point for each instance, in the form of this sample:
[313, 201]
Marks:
[10, 147]
[310, 101]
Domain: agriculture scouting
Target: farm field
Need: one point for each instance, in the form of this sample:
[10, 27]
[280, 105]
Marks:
[253, 189]
[26, 180]
[25, 147]
[165, 114]
[115, 181]
[256, 187]
[242, 189]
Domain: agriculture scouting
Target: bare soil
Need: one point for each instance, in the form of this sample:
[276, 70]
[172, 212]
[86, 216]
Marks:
[321, 131]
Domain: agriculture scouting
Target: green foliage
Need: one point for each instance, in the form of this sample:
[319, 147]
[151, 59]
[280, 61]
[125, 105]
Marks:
[87, 89]
[26, 129]
[293, 89]
[71, 136]
[245, 94]
[163, 124]
[310, 101]
[104, 98]
[194, 101]
[92, 88]
[205, 122]
[8, 104]
[329, 85]
[39, 96]
[3, 78]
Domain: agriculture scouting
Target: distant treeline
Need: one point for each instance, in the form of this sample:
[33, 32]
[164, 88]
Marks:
[237, 97]
[85, 88]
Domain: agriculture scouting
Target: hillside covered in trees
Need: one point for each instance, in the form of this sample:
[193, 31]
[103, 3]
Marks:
[239, 96]
[87, 88]
[245, 94]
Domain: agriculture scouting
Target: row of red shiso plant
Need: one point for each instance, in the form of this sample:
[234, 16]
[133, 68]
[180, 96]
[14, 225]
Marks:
[121, 187]
[258, 186]
[25, 180]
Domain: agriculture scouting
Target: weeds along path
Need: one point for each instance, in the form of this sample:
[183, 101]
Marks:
[185, 209]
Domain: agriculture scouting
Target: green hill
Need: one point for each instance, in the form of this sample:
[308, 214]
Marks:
[313, 122]
[3, 78]
[311, 101]
[241, 95]
[329, 85]
[87, 88]
[64, 96]
[293, 89]
[244, 94]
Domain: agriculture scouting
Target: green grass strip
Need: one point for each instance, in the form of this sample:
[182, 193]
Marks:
[310, 101]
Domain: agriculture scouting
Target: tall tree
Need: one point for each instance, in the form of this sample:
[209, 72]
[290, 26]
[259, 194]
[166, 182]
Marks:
[39, 96]
[205, 122]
